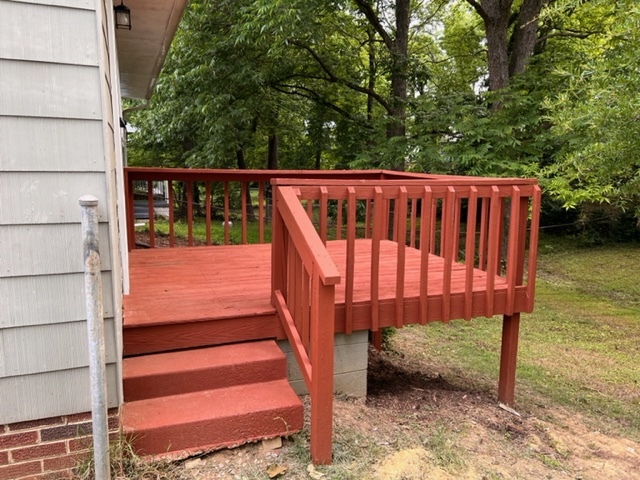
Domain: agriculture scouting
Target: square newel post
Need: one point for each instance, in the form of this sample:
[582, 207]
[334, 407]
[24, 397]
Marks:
[278, 250]
[322, 331]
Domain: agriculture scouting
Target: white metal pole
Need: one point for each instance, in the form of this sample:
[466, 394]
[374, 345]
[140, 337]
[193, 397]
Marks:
[95, 327]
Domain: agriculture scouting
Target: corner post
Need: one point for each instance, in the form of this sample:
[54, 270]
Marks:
[322, 332]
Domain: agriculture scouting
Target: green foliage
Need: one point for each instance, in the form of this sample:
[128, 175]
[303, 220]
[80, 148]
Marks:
[316, 76]
[595, 117]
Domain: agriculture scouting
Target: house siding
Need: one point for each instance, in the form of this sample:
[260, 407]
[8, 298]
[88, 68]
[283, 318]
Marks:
[56, 144]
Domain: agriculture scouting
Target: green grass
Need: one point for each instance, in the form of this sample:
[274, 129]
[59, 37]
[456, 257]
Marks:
[161, 227]
[580, 348]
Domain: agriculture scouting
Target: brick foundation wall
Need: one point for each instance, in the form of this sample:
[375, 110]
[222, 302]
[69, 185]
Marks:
[48, 448]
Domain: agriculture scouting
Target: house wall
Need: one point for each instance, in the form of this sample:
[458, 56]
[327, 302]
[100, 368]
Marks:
[57, 143]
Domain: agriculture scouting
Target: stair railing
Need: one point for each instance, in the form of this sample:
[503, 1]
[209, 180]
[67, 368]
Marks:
[303, 285]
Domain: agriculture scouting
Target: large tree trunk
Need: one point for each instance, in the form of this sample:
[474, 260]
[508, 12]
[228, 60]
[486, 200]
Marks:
[242, 165]
[397, 127]
[272, 152]
[507, 57]
[525, 35]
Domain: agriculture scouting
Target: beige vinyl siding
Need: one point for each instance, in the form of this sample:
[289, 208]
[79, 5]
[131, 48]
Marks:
[62, 34]
[53, 149]
[78, 146]
[48, 197]
[70, 352]
[81, 4]
[47, 249]
[35, 300]
[40, 395]
[49, 90]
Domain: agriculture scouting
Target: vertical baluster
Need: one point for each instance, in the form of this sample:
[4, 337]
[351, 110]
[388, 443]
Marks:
[493, 247]
[226, 213]
[469, 248]
[292, 299]
[533, 247]
[367, 219]
[412, 235]
[243, 203]
[484, 222]
[447, 239]
[305, 301]
[150, 210]
[207, 209]
[378, 231]
[339, 220]
[310, 209]
[171, 219]
[324, 201]
[261, 212]
[434, 223]
[351, 251]
[456, 229]
[426, 221]
[513, 247]
[298, 307]
[189, 187]
[401, 235]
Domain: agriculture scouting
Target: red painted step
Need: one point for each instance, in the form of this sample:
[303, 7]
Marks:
[187, 424]
[175, 373]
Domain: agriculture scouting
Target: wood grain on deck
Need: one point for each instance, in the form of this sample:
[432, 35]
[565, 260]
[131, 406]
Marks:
[222, 282]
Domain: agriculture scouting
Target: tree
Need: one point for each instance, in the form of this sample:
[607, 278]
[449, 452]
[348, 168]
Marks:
[595, 116]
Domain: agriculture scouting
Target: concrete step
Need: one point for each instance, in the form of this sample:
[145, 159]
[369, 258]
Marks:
[175, 373]
[178, 426]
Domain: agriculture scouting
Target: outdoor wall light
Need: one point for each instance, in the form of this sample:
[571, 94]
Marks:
[123, 16]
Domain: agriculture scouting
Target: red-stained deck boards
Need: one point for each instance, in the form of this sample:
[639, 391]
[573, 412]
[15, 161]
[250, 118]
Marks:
[196, 296]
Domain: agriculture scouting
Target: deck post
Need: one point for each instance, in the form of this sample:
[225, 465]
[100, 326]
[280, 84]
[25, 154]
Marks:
[278, 249]
[508, 354]
[322, 332]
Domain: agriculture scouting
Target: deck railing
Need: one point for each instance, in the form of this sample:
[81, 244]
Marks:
[223, 195]
[303, 286]
[471, 223]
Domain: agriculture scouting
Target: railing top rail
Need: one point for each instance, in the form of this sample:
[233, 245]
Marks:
[454, 181]
[313, 252]
[310, 177]
[222, 174]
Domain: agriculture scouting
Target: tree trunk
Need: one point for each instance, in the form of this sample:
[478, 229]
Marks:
[397, 127]
[272, 152]
[505, 62]
[524, 36]
[251, 216]
[372, 74]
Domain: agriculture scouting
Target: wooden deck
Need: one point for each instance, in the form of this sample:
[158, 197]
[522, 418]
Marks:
[177, 286]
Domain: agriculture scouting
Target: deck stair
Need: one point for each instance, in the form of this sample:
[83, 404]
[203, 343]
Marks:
[183, 403]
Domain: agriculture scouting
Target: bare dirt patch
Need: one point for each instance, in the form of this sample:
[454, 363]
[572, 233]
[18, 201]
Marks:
[416, 425]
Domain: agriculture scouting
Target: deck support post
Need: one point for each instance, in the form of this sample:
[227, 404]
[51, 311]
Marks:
[508, 354]
[322, 332]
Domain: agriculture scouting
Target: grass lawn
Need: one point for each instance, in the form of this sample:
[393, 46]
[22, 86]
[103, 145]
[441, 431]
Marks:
[580, 348]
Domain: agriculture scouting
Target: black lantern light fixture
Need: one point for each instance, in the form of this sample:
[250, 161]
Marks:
[123, 16]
